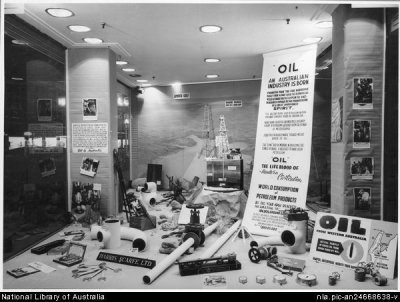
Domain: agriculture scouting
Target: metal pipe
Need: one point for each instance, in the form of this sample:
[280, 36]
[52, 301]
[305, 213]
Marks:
[171, 258]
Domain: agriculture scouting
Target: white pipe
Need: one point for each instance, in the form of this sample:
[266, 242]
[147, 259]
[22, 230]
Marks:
[171, 258]
[138, 237]
[272, 240]
[220, 241]
[294, 237]
[150, 187]
[110, 234]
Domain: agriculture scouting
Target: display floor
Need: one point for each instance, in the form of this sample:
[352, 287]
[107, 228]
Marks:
[131, 277]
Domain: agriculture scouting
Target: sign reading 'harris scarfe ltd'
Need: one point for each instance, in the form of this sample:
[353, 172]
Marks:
[283, 142]
[128, 260]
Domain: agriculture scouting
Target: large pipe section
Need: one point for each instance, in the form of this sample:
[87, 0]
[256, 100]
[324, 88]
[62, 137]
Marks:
[171, 258]
[138, 237]
[220, 241]
[293, 237]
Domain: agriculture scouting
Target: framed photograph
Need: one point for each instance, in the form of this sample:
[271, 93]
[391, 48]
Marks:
[363, 88]
[362, 198]
[361, 134]
[44, 110]
[22, 271]
[47, 167]
[362, 167]
[89, 166]
[89, 109]
[74, 255]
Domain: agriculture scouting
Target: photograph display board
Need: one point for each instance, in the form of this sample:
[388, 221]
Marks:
[346, 240]
[283, 142]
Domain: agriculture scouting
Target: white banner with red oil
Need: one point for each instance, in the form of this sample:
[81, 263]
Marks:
[283, 143]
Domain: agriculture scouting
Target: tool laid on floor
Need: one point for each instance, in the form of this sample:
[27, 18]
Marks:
[93, 270]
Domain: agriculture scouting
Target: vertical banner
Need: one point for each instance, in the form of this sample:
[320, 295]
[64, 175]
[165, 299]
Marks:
[283, 142]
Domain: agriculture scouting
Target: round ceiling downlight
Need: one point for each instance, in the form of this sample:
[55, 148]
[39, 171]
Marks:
[324, 24]
[210, 28]
[128, 69]
[59, 12]
[212, 60]
[93, 40]
[79, 28]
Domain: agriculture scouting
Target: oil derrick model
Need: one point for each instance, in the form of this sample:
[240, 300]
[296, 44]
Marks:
[208, 134]
[221, 141]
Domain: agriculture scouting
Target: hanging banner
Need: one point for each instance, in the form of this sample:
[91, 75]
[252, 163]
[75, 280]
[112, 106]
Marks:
[283, 142]
[346, 241]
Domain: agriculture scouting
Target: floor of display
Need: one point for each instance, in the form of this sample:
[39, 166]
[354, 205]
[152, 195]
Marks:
[131, 277]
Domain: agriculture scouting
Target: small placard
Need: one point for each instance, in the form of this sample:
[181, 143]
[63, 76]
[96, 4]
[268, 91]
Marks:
[231, 168]
[128, 260]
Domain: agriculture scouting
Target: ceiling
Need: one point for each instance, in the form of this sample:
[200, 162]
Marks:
[164, 41]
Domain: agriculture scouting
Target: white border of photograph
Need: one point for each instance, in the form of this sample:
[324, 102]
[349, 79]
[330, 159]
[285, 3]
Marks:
[369, 105]
[87, 116]
[90, 170]
[44, 116]
[362, 145]
[369, 198]
[366, 176]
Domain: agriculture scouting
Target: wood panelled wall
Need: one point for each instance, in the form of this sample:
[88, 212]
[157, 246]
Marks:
[91, 74]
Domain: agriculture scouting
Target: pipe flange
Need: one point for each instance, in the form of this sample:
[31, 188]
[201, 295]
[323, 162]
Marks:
[306, 279]
[254, 255]
[195, 238]
[279, 279]
[260, 279]
[202, 238]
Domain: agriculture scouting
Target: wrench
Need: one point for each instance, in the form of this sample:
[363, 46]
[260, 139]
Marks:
[103, 277]
[104, 265]
[91, 277]
[77, 275]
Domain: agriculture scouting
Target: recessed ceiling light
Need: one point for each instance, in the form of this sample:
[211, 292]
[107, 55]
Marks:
[211, 60]
[324, 24]
[212, 76]
[146, 85]
[119, 62]
[79, 28]
[17, 79]
[312, 40]
[19, 42]
[93, 40]
[59, 12]
[141, 81]
[210, 28]
[128, 69]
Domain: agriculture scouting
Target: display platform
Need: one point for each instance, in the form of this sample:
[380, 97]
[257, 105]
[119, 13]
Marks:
[250, 276]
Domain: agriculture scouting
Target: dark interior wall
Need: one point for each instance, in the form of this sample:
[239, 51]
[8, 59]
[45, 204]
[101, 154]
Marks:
[170, 131]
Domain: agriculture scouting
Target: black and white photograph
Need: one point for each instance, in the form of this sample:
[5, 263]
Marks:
[89, 166]
[362, 198]
[361, 134]
[90, 110]
[221, 127]
[44, 110]
[363, 89]
[362, 167]
[47, 167]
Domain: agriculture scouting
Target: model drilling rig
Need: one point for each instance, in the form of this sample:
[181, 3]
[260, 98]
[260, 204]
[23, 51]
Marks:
[221, 141]
[208, 134]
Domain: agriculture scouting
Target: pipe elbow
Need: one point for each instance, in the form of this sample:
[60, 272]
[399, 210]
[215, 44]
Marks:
[138, 237]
